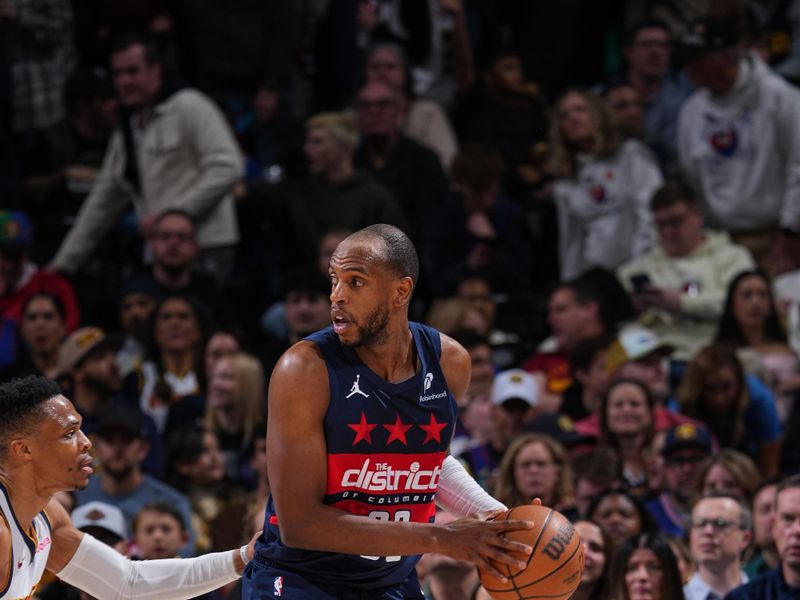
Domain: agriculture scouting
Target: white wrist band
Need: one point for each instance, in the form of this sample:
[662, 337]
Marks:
[243, 554]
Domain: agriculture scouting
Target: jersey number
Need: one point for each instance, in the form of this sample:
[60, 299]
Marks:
[383, 515]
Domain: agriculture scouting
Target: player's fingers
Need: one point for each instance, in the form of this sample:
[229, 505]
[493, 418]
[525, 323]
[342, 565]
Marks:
[536, 501]
[489, 568]
[513, 525]
[501, 557]
[510, 546]
[489, 515]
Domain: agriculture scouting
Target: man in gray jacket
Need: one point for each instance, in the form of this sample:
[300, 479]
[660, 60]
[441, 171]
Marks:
[171, 151]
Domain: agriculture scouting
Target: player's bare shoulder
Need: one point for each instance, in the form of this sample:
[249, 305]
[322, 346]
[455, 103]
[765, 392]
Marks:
[456, 365]
[301, 358]
[300, 373]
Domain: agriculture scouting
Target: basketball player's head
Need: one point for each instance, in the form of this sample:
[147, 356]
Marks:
[373, 274]
[40, 433]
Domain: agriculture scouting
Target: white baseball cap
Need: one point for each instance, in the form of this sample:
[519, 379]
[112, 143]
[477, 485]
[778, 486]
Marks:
[634, 343]
[515, 383]
[100, 514]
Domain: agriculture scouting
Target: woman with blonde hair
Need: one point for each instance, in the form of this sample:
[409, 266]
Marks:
[739, 410]
[235, 408]
[730, 472]
[536, 466]
[602, 188]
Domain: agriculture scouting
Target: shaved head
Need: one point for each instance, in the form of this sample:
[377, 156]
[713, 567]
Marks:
[395, 249]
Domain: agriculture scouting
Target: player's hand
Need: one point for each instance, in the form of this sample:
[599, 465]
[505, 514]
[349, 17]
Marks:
[251, 545]
[478, 540]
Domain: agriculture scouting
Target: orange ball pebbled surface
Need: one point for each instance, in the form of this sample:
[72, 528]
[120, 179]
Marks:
[554, 567]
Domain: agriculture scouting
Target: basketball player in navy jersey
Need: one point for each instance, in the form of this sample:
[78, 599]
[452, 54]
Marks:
[360, 419]
[43, 451]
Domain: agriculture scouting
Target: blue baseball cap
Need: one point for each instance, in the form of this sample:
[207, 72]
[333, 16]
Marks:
[15, 229]
[688, 435]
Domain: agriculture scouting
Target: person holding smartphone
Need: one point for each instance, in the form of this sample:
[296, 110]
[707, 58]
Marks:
[679, 286]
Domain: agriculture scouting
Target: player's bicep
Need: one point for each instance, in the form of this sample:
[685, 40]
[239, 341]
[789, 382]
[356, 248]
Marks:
[296, 449]
[456, 366]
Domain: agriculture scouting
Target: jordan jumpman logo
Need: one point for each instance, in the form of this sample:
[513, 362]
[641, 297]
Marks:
[355, 389]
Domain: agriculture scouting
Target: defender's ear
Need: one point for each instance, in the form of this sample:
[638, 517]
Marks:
[20, 449]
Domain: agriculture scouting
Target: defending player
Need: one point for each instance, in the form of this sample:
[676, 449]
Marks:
[43, 451]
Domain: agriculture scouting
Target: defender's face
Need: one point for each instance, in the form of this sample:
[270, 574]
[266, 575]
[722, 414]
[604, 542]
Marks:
[60, 450]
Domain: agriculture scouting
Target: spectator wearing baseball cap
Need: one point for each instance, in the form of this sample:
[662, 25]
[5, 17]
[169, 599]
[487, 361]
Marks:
[121, 444]
[637, 353]
[738, 142]
[20, 279]
[687, 448]
[88, 369]
[705, 35]
[102, 521]
[559, 427]
[514, 396]
[516, 393]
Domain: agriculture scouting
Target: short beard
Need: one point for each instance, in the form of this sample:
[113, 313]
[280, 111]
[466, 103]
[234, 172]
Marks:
[175, 271]
[120, 474]
[374, 332]
[103, 387]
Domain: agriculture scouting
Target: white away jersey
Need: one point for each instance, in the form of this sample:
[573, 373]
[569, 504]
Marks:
[29, 552]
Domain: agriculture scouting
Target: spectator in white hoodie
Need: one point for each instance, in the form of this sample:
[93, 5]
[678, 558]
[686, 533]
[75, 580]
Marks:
[739, 144]
[602, 187]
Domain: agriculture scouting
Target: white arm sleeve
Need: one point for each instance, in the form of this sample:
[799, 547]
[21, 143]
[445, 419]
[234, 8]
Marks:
[459, 494]
[104, 573]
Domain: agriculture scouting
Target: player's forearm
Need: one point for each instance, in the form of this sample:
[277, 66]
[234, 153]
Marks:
[104, 573]
[334, 530]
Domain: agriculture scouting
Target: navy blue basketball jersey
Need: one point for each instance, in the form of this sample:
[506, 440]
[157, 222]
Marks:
[386, 443]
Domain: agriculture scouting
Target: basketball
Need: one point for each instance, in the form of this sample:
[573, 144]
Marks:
[554, 567]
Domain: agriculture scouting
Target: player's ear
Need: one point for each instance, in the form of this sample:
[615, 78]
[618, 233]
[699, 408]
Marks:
[20, 449]
[405, 285]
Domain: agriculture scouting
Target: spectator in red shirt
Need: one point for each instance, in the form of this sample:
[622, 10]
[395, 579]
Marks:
[20, 279]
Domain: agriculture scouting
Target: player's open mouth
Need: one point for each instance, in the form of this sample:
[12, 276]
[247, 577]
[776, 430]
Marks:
[340, 322]
[86, 466]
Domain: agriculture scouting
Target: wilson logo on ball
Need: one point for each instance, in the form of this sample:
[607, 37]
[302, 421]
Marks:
[559, 542]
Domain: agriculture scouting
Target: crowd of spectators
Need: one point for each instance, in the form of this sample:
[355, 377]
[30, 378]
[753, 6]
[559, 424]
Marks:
[605, 197]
